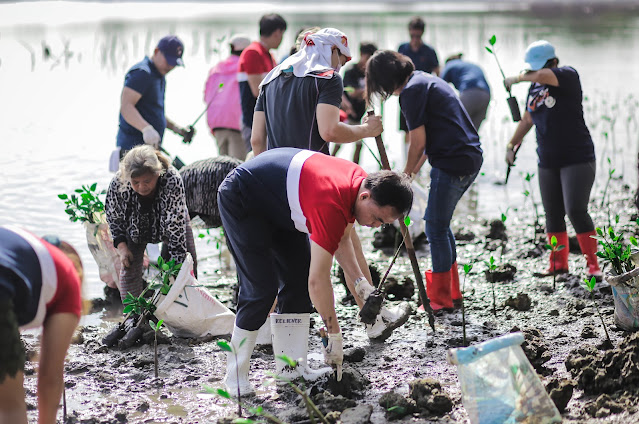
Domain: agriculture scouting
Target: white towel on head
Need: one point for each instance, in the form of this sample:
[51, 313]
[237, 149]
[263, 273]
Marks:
[314, 57]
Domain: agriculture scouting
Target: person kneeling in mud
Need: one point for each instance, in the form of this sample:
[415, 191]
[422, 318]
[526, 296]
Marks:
[40, 285]
[145, 203]
[286, 213]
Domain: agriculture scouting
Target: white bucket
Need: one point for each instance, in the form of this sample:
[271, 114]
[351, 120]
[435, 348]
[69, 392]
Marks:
[191, 311]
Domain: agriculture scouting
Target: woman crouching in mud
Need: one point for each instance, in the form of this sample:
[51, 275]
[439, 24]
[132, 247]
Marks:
[145, 203]
[40, 286]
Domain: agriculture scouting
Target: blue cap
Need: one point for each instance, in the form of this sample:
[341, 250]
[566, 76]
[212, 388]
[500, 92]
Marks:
[172, 49]
[537, 54]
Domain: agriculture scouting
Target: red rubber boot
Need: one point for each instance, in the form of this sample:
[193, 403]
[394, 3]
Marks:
[438, 286]
[588, 247]
[455, 292]
[559, 260]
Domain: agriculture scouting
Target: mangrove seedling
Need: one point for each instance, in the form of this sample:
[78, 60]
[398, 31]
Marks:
[156, 328]
[590, 286]
[254, 411]
[228, 347]
[528, 192]
[512, 101]
[554, 248]
[614, 249]
[467, 269]
[611, 171]
[218, 239]
[137, 305]
[85, 205]
[491, 271]
[166, 271]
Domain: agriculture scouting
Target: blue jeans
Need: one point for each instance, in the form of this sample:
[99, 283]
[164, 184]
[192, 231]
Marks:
[445, 191]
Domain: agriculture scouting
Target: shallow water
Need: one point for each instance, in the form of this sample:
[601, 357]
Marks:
[59, 115]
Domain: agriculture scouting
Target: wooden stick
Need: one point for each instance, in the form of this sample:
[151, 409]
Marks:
[410, 249]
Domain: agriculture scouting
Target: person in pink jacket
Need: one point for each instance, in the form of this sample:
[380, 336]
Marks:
[222, 95]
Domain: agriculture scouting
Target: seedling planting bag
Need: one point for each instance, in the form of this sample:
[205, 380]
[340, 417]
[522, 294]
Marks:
[106, 256]
[626, 297]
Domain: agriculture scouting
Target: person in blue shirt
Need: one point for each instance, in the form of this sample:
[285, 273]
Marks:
[440, 128]
[142, 119]
[470, 81]
[565, 150]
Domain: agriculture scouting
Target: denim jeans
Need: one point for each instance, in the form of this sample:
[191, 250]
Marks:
[445, 191]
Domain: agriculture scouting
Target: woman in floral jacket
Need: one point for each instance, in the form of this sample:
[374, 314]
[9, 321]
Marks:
[145, 203]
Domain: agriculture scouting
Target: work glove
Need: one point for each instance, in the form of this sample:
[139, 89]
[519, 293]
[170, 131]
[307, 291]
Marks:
[151, 136]
[187, 134]
[363, 288]
[509, 81]
[334, 352]
[510, 156]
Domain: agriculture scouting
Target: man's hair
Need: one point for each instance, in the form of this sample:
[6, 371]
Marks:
[271, 23]
[367, 48]
[386, 71]
[390, 188]
[417, 23]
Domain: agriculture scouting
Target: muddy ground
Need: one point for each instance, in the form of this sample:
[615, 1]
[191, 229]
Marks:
[111, 386]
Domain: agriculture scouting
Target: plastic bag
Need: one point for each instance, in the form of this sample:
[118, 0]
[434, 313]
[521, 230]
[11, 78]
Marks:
[106, 256]
[625, 291]
[499, 385]
[190, 311]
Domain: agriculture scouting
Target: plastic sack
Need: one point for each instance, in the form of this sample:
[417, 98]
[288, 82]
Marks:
[417, 212]
[106, 256]
[499, 385]
[190, 311]
[625, 291]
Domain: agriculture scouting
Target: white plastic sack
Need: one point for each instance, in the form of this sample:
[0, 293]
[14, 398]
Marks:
[191, 311]
[106, 256]
[416, 214]
[625, 291]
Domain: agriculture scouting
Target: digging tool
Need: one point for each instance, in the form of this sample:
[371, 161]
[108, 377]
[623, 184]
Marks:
[515, 150]
[410, 249]
[373, 305]
[177, 162]
[512, 101]
[188, 137]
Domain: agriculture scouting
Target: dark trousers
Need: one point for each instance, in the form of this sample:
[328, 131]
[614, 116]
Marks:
[566, 191]
[272, 258]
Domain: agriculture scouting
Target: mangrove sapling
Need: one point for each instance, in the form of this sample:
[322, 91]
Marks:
[614, 249]
[218, 239]
[85, 205]
[590, 286]
[156, 328]
[467, 269]
[512, 101]
[503, 241]
[491, 272]
[611, 171]
[228, 347]
[528, 192]
[554, 249]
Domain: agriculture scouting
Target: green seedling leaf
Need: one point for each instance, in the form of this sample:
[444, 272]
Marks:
[243, 421]
[489, 50]
[288, 361]
[599, 231]
[560, 247]
[223, 393]
[590, 284]
[492, 40]
[242, 342]
[468, 268]
[127, 309]
[553, 241]
[396, 408]
[224, 345]
[633, 240]
[63, 196]
[407, 221]
[503, 217]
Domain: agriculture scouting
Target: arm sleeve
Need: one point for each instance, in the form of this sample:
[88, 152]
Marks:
[115, 209]
[137, 80]
[331, 91]
[251, 63]
[173, 219]
[568, 79]
[68, 295]
[328, 224]
[259, 103]
[413, 104]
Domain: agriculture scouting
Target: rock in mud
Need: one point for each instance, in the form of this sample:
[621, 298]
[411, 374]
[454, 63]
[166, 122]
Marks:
[603, 406]
[351, 386]
[521, 302]
[396, 290]
[361, 414]
[355, 354]
[536, 349]
[505, 272]
[396, 405]
[497, 230]
[588, 332]
[560, 391]
[327, 402]
[464, 236]
[429, 397]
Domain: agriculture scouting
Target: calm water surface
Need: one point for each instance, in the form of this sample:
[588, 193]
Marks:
[59, 116]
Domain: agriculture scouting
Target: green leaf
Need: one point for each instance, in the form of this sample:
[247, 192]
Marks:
[224, 345]
[560, 247]
[288, 361]
[590, 284]
[503, 217]
[553, 241]
[94, 186]
[63, 196]
[492, 40]
[243, 421]
[633, 240]
[127, 309]
[468, 268]
[242, 342]
[526, 193]
[489, 50]
[407, 221]
[599, 231]
[223, 393]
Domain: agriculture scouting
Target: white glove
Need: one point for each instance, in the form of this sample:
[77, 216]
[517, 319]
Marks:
[151, 136]
[363, 288]
[509, 81]
[334, 352]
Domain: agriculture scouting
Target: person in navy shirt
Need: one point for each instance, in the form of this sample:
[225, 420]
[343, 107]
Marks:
[565, 150]
[286, 213]
[470, 81]
[142, 118]
[439, 128]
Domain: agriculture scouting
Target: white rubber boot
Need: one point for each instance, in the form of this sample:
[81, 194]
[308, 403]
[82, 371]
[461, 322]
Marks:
[237, 370]
[290, 338]
[264, 335]
[387, 321]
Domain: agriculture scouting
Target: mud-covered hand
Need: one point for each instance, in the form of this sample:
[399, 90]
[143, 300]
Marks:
[187, 134]
[510, 155]
[151, 136]
[334, 352]
[126, 257]
[509, 81]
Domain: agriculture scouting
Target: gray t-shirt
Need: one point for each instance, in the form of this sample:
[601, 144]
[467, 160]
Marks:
[289, 104]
